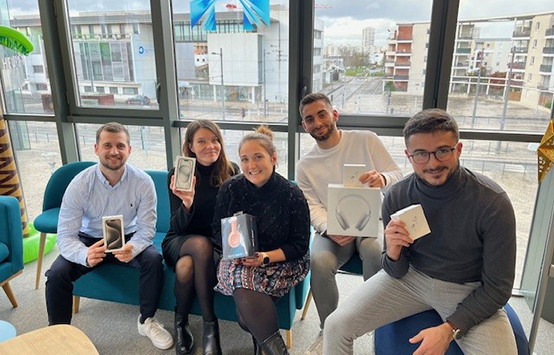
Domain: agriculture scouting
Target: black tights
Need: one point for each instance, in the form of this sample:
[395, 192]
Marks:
[256, 313]
[195, 272]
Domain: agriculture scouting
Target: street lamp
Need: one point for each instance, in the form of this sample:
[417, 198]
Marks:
[220, 54]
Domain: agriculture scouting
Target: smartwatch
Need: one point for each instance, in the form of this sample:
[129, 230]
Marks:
[265, 260]
[456, 332]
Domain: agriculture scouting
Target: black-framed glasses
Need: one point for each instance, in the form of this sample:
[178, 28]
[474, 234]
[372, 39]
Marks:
[441, 154]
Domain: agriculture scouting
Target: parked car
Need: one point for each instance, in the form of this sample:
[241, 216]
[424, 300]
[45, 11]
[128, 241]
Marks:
[138, 100]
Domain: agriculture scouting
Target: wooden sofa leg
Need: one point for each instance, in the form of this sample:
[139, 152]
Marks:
[40, 257]
[10, 294]
[307, 304]
[289, 339]
[76, 301]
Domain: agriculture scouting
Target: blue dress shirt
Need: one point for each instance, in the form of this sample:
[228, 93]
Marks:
[89, 197]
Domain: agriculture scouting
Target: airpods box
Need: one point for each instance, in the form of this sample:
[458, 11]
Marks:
[353, 211]
[351, 174]
[414, 219]
[239, 236]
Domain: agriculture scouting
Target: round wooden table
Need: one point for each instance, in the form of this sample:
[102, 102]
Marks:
[54, 340]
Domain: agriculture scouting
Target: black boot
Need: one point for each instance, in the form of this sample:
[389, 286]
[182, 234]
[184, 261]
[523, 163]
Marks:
[257, 348]
[185, 340]
[274, 345]
[212, 345]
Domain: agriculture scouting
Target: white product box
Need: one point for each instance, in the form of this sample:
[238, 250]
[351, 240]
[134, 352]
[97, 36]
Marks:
[414, 218]
[184, 172]
[353, 211]
[351, 174]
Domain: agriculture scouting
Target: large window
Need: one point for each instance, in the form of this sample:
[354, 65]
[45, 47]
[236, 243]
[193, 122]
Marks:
[234, 71]
[108, 52]
[24, 78]
[502, 76]
[374, 58]
[36, 149]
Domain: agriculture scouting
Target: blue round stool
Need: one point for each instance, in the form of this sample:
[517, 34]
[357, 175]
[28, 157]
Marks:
[7, 331]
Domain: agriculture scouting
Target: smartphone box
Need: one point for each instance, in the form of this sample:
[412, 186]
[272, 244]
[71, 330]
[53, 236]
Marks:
[239, 237]
[353, 211]
[114, 233]
[414, 218]
[184, 172]
[351, 174]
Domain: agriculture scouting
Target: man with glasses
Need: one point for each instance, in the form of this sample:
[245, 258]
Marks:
[324, 165]
[464, 269]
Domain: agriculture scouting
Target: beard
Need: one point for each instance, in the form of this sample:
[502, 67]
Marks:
[330, 130]
[112, 166]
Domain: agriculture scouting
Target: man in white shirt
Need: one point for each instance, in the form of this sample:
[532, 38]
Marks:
[324, 165]
[107, 189]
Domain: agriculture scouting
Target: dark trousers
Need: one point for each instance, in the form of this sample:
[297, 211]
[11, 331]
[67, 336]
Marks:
[62, 274]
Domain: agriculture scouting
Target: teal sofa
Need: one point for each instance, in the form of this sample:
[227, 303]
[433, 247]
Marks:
[119, 283]
[11, 244]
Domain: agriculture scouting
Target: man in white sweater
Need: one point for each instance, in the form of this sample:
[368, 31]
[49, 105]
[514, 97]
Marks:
[324, 165]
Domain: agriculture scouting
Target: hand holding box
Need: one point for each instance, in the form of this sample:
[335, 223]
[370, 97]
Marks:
[414, 219]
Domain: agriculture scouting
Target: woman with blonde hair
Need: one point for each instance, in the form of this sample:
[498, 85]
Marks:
[283, 230]
[189, 245]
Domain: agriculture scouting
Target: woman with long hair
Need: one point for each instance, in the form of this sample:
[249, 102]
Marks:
[283, 230]
[188, 246]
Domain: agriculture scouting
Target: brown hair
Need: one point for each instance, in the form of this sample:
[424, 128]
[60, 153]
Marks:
[430, 121]
[311, 98]
[112, 127]
[264, 136]
[223, 167]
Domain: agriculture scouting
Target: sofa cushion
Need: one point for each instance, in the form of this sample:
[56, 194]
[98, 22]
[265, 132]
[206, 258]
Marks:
[4, 252]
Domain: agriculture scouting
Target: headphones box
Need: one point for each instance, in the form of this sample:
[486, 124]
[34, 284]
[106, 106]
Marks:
[239, 238]
[353, 211]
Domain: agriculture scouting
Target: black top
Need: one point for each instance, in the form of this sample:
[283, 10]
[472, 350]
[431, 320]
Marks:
[472, 239]
[281, 211]
[198, 220]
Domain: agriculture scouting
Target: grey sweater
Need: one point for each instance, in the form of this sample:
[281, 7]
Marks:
[473, 238]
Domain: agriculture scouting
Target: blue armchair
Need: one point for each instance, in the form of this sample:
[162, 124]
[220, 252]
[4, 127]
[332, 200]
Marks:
[11, 244]
[47, 221]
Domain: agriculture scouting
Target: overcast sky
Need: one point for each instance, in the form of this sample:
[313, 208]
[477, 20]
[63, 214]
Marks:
[345, 19]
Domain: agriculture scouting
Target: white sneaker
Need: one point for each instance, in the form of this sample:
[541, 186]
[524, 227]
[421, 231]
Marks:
[317, 346]
[156, 332]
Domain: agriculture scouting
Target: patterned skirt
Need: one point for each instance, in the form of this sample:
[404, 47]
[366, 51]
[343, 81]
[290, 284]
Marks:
[276, 279]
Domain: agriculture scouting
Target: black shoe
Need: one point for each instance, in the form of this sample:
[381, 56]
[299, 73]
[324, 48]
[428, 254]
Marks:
[257, 348]
[212, 345]
[274, 345]
[185, 341]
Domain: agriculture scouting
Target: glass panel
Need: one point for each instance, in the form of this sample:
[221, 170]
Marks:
[234, 72]
[113, 46]
[147, 143]
[25, 78]
[37, 152]
[502, 76]
[512, 165]
[372, 59]
[232, 140]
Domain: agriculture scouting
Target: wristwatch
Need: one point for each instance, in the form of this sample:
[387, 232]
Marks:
[265, 260]
[456, 332]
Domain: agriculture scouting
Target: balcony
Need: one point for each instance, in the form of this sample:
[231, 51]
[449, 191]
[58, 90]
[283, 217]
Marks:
[546, 68]
[461, 65]
[403, 51]
[405, 63]
[463, 50]
[543, 86]
[522, 32]
[404, 38]
[550, 32]
[520, 49]
[465, 36]
[548, 50]
[516, 65]
[401, 77]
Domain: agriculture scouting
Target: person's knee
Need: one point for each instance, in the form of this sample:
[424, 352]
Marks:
[151, 259]
[333, 325]
[59, 273]
[184, 269]
[323, 263]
